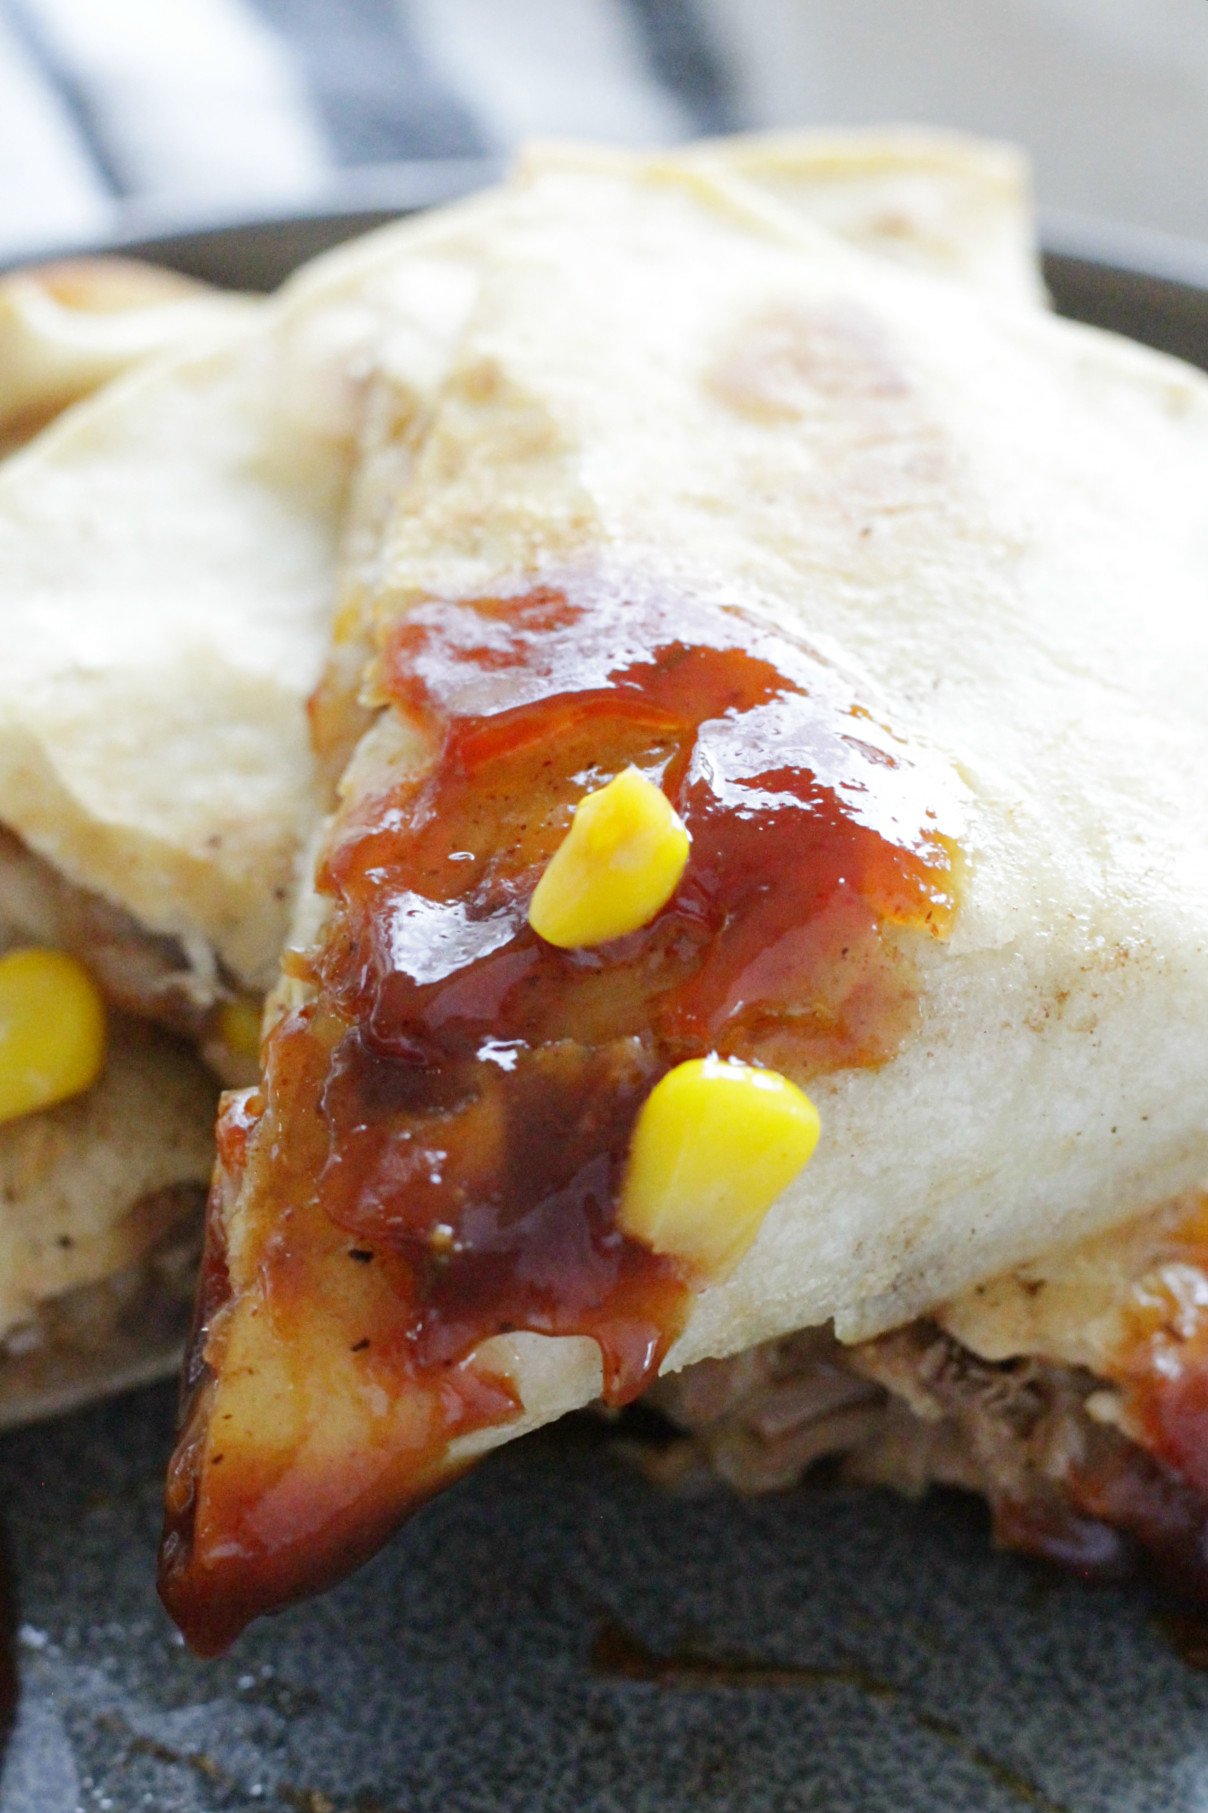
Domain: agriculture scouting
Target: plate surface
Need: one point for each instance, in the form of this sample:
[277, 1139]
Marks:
[553, 1636]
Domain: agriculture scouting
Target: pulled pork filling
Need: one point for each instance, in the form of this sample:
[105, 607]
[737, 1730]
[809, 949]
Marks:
[1038, 1440]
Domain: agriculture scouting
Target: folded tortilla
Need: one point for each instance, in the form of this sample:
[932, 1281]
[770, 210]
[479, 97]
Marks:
[102, 1195]
[905, 539]
[170, 554]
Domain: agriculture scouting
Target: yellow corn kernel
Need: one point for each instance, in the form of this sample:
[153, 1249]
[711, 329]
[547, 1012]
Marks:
[239, 1027]
[52, 1030]
[715, 1144]
[617, 866]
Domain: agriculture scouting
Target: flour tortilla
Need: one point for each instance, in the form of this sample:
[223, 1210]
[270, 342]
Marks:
[169, 556]
[167, 561]
[976, 507]
[984, 548]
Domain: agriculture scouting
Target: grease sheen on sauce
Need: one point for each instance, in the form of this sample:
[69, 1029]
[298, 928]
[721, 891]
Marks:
[452, 1111]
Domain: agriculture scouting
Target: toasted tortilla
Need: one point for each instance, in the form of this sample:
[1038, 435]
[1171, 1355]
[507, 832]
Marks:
[673, 387]
[170, 554]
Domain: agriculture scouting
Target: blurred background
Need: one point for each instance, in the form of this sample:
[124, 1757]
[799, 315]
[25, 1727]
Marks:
[132, 114]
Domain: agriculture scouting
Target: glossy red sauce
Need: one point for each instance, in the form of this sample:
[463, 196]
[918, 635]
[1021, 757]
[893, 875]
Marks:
[452, 1111]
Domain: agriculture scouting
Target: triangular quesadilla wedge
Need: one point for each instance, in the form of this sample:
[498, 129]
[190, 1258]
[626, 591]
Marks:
[100, 1194]
[169, 554]
[892, 602]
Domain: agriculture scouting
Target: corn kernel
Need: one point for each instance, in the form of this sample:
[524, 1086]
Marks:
[715, 1144]
[52, 1030]
[239, 1027]
[617, 866]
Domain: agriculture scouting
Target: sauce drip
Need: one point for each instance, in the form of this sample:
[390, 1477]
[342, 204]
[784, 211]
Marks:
[438, 1147]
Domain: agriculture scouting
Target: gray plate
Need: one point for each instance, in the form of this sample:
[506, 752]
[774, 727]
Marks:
[553, 1636]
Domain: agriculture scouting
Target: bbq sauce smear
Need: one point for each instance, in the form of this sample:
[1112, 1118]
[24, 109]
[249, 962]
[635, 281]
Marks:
[436, 1154]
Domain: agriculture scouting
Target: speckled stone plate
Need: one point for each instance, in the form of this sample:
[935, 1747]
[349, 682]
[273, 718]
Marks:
[555, 1636]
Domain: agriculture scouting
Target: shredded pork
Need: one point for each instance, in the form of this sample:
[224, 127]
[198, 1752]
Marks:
[914, 1408]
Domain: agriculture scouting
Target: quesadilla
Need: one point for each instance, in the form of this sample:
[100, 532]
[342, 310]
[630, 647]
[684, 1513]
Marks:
[722, 535]
[170, 555]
